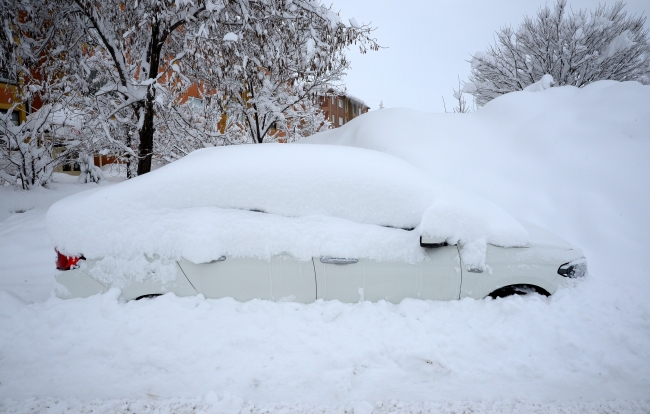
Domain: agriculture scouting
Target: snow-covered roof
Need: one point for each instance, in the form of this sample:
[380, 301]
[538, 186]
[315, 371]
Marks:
[354, 98]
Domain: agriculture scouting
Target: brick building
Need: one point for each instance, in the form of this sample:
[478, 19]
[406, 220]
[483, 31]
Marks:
[341, 109]
[9, 94]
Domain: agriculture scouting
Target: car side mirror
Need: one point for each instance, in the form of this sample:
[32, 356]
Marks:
[432, 242]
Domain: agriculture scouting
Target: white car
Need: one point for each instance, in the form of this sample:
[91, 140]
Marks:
[300, 223]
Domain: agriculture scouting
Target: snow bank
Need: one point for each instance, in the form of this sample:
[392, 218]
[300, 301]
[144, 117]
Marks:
[263, 200]
[10, 303]
[14, 201]
[574, 161]
[26, 253]
[568, 347]
[544, 83]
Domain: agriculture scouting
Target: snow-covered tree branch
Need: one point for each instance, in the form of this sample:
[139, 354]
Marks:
[46, 95]
[279, 63]
[128, 67]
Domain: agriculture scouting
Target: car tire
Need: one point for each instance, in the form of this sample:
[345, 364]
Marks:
[150, 296]
[512, 290]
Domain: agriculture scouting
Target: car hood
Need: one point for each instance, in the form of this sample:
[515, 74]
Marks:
[540, 237]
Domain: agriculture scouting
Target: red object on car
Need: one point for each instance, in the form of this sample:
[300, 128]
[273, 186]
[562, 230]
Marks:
[64, 262]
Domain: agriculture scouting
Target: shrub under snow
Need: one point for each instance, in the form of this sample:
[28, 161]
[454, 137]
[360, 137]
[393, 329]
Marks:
[574, 47]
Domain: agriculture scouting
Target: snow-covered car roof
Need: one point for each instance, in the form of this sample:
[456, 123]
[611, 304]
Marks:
[263, 200]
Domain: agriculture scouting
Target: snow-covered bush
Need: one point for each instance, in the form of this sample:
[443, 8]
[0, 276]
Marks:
[29, 152]
[90, 173]
[25, 159]
[52, 87]
[574, 47]
[309, 119]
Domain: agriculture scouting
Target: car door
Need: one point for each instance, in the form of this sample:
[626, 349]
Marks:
[350, 279]
[242, 278]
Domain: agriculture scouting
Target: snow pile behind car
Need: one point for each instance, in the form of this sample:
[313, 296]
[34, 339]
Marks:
[571, 160]
[264, 200]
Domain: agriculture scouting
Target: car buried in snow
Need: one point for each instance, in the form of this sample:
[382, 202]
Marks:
[300, 223]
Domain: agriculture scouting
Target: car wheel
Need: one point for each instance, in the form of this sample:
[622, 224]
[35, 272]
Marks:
[518, 290]
[150, 296]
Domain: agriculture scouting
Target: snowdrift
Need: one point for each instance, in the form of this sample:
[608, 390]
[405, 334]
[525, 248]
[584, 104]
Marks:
[260, 201]
[572, 160]
[575, 161]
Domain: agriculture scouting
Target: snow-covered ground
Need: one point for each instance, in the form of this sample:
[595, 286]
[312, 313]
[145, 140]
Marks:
[26, 252]
[573, 161]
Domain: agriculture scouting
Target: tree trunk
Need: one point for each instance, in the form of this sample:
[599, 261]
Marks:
[145, 150]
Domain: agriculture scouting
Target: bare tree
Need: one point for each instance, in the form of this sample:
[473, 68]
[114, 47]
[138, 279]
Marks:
[461, 105]
[575, 47]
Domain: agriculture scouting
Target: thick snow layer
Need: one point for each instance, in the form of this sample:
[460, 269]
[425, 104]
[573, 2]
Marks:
[568, 347]
[574, 161]
[13, 200]
[264, 200]
[26, 251]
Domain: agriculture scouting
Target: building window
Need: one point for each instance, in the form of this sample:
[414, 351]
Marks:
[197, 103]
[332, 100]
[71, 163]
[340, 103]
[15, 116]
[333, 120]
[340, 121]
[7, 77]
[71, 167]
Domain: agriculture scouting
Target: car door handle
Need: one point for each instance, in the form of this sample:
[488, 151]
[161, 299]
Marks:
[221, 259]
[338, 260]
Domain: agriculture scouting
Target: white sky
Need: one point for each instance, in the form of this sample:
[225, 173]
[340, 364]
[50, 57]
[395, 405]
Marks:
[428, 43]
